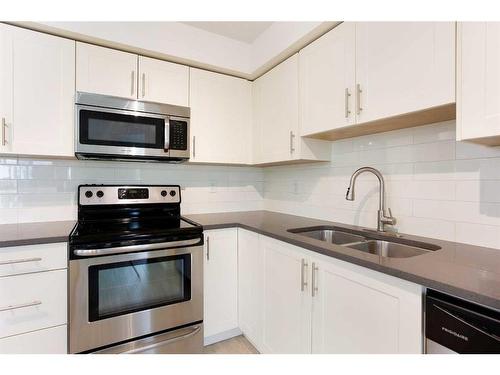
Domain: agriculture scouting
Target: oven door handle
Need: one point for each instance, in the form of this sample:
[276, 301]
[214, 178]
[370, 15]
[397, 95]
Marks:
[127, 249]
[193, 332]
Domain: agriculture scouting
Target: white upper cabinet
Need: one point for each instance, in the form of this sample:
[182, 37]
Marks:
[403, 67]
[221, 118]
[276, 118]
[37, 76]
[478, 82]
[276, 113]
[163, 82]
[106, 71]
[327, 81]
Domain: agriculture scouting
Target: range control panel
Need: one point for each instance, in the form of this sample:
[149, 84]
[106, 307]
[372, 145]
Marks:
[106, 194]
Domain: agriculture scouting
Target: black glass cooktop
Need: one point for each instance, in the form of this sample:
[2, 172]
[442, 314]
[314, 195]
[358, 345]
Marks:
[116, 231]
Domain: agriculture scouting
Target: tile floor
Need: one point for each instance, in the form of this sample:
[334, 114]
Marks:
[236, 345]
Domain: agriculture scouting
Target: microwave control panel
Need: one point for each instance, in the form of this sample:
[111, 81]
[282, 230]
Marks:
[178, 135]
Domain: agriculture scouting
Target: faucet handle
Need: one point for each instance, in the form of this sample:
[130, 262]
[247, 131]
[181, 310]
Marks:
[391, 220]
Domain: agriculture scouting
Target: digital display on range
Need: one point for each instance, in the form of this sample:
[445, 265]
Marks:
[133, 193]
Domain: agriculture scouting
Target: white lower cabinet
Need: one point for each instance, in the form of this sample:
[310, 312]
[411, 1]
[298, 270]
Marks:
[250, 285]
[220, 284]
[286, 304]
[45, 341]
[294, 301]
[33, 299]
[356, 310]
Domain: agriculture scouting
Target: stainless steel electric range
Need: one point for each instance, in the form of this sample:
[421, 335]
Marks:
[135, 272]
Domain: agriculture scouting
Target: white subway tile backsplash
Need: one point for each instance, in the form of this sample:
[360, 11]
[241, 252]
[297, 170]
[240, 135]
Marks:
[435, 186]
[45, 189]
[477, 234]
[443, 131]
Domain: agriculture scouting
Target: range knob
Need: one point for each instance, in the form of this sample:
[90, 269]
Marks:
[100, 194]
[88, 194]
[172, 193]
[163, 193]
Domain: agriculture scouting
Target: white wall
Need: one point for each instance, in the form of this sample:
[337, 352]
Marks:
[45, 190]
[436, 187]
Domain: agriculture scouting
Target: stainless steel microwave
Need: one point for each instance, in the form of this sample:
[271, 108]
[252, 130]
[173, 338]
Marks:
[113, 128]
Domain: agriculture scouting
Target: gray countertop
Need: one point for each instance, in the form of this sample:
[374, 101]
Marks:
[466, 271]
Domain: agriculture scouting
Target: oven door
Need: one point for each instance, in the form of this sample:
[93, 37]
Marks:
[105, 131]
[114, 299]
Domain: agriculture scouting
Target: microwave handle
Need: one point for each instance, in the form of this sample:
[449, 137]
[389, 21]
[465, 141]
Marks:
[166, 146]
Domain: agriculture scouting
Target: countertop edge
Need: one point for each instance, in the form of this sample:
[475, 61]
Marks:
[33, 241]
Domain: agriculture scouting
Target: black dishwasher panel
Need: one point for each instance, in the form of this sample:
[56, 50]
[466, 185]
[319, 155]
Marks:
[461, 326]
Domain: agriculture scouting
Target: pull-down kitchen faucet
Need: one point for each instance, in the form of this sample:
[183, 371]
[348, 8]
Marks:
[382, 219]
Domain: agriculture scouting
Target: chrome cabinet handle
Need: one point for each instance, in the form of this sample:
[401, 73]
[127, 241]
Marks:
[303, 282]
[292, 136]
[346, 96]
[208, 248]
[14, 261]
[358, 98]
[143, 85]
[4, 133]
[22, 305]
[314, 287]
[193, 332]
[194, 146]
[132, 89]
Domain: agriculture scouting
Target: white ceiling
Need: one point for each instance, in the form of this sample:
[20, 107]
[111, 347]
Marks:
[245, 32]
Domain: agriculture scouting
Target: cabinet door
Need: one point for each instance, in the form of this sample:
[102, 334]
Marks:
[356, 310]
[478, 80]
[250, 286]
[287, 306]
[45, 341]
[220, 281]
[327, 81]
[163, 82]
[6, 84]
[403, 67]
[43, 301]
[43, 78]
[106, 71]
[276, 96]
[221, 118]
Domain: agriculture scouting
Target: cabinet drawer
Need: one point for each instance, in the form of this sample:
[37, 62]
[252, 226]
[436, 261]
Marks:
[46, 341]
[32, 301]
[17, 260]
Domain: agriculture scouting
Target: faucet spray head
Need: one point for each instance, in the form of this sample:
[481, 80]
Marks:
[349, 195]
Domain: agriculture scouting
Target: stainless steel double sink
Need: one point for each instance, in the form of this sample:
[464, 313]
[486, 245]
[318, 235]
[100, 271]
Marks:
[372, 242]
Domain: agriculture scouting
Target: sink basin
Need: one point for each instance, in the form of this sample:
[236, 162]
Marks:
[373, 242]
[331, 235]
[388, 249]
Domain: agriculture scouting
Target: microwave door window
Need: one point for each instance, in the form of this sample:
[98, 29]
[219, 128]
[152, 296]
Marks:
[128, 133]
[112, 129]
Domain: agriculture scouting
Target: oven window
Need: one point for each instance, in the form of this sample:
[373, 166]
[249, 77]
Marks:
[126, 287]
[115, 129]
